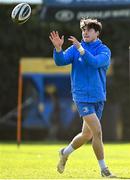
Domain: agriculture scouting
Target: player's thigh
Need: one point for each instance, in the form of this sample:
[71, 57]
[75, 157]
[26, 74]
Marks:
[86, 131]
[93, 123]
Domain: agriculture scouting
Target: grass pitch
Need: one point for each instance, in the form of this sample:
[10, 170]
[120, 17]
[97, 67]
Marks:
[39, 161]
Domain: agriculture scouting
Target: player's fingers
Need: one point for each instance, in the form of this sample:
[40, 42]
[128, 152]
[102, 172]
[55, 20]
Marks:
[57, 33]
[53, 34]
[50, 38]
[71, 39]
[62, 38]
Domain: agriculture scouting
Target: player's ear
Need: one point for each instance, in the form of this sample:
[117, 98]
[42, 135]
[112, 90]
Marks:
[98, 33]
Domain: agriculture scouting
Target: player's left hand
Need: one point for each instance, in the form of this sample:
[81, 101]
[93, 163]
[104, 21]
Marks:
[74, 41]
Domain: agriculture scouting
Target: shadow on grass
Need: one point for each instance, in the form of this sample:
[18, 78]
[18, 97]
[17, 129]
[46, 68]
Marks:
[123, 178]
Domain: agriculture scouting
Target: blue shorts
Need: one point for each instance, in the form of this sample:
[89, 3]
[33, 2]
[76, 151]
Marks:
[85, 108]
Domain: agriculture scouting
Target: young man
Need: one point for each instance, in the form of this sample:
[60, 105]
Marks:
[90, 60]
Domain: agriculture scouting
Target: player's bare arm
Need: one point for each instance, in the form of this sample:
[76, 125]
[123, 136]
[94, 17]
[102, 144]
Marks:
[56, 40]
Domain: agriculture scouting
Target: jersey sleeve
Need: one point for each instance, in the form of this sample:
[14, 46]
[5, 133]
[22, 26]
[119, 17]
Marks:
[63, 57]
[102, 58]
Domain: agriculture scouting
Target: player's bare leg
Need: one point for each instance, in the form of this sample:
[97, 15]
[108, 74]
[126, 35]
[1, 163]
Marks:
[95, 126]
[77, 141]
[82, 137]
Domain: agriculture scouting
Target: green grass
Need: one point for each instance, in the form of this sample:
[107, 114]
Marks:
[38, 161]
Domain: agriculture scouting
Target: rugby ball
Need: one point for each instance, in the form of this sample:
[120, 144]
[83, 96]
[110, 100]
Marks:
[21, 13]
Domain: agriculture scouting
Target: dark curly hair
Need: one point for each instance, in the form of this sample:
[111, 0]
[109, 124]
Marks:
[91, 23]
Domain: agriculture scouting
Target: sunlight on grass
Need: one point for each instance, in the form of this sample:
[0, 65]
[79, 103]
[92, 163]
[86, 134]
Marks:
[38, 161]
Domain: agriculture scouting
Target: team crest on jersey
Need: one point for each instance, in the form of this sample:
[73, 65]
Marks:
[85, 109]
[79, 59]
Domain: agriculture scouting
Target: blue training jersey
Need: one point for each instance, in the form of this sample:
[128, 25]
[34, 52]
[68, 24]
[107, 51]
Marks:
[88, 73]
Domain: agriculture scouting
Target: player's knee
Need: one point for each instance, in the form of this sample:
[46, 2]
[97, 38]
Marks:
[87, 136]
[97, 133]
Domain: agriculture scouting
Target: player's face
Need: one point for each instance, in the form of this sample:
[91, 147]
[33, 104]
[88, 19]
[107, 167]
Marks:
[89, 35]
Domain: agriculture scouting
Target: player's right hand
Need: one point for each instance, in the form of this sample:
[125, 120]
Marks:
[56, 40]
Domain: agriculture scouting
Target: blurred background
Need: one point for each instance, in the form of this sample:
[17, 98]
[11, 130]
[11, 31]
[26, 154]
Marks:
[47, 110]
